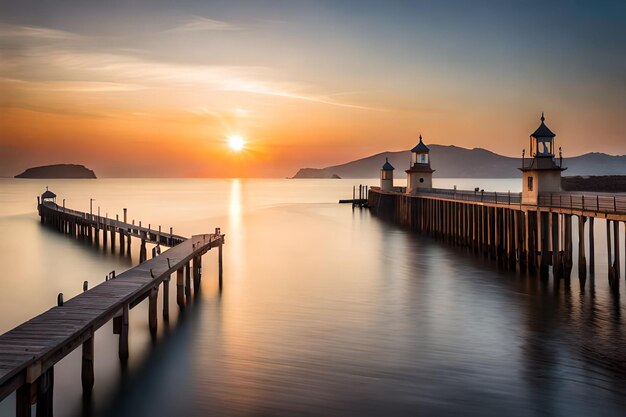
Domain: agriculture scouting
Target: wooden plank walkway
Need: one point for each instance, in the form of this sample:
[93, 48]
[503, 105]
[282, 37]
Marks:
[104, 223]
[30, 349]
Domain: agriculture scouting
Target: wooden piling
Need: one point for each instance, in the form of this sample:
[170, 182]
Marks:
[616, 251]
[180, 288]
[23, 400]
[166, 299]
[87, 374]
[545, 243]
[556, 264]
[592, 258]
[188, 282]
[582, 260]
[609, 248]
[152, 310]
[45, 393]
[123, 346]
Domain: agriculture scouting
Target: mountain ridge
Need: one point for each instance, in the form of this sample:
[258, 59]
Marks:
[450, 161]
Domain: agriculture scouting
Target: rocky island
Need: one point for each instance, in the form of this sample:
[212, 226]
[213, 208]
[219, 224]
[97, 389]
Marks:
[58, 171]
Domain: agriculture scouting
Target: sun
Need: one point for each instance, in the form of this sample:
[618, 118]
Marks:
[236, 143]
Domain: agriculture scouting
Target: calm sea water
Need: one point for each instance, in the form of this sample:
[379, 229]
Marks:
[325, 311]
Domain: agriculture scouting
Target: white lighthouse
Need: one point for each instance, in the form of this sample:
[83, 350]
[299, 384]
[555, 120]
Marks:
[386, 176]
[420, 174]
[541, 173]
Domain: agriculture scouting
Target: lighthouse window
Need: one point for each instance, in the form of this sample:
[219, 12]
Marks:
[421, 179]
[530, 183]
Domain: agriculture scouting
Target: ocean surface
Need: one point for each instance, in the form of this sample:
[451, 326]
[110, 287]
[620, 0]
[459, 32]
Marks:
[325, 311]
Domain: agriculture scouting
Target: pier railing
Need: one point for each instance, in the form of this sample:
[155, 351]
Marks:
[585, 202]
[480, 196]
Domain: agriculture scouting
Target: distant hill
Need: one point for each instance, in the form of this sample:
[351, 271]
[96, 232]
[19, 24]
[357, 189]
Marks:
[457, 162]
[58, 171]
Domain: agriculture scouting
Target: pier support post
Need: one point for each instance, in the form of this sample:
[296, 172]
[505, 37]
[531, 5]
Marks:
[142, 249]
[123, 347]
[122, 233]
[616, 254]
[23, 402]
[592, 258]
[613, 283]
[556, 264]
[219, 261]
[196, 274]
[166, 299]
[188, 282]
[112, 228]
[87, 374]
[152, 310]
[545, 243]
[45, 393]
[582, 260]
[567, 254]
[180, 288]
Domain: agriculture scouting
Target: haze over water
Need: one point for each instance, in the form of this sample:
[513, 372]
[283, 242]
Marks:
[325, 311]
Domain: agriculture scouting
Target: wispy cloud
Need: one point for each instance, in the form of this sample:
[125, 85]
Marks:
[17, 31]
[198, 23]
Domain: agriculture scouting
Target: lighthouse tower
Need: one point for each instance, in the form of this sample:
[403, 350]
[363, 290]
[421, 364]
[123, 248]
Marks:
[541, 173]
[420, 174]
[386, 176]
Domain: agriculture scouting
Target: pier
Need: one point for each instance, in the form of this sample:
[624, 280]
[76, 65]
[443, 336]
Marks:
[30, 351]
[501, 227]
[531, 230]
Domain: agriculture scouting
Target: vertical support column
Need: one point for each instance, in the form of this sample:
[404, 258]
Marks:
[23, 403]
[512, 240]
[616, 263]
[582, 260]
[45, 393]
[142, 250]
[592, 258]
[122, 235]
[609, 248]
[556, 264]
[188, 282]
[123, 346]
[545, 244]
[196, 274]
[112, 238]
[87, 374]
[567, 258]
[219, 260]
[152, 310]
[180, 288]
[166, 299]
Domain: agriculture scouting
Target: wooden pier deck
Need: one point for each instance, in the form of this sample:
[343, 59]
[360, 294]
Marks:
[502, 227]
[29, 352]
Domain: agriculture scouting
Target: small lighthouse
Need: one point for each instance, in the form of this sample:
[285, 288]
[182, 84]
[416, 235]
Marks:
[386, 176]
[541, 173]
[420, 174]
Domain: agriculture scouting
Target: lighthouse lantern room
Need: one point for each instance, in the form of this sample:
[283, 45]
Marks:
[541, 173]
[420, 174]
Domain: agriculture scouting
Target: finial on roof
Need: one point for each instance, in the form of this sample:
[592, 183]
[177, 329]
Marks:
[386, 159]
[420, 137]
[46, 188]
[542, 118]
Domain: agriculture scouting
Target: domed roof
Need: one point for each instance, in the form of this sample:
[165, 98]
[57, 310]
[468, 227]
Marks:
[48, 194]
[387, 166]
[543, 131]
[420, 147]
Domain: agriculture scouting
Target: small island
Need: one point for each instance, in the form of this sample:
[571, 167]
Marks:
[58, 171]
[315, 173]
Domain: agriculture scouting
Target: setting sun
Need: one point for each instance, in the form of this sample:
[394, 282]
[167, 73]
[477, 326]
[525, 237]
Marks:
[236, 143]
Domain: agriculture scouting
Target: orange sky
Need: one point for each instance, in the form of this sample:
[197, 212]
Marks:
[159, 94]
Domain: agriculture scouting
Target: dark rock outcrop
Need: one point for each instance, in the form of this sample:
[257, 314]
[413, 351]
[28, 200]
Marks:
[58, 171]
